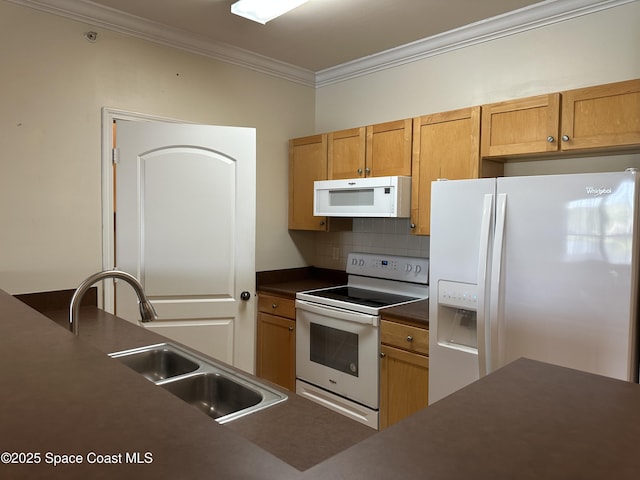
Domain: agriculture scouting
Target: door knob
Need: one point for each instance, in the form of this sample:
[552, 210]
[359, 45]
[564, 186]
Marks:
[245, 296]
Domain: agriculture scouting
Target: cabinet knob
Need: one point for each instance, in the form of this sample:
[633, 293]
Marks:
[409, 338]
[274, 305]
[413, 225]
[359, 171]
[565, 138]
[367, 171]
[321, 222]
[291, 329]
[550, 139]
[382, 355]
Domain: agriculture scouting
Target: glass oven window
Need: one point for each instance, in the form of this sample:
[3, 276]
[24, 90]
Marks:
[334, 348]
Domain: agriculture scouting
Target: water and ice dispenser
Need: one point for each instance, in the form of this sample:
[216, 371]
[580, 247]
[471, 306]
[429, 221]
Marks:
[457, 315]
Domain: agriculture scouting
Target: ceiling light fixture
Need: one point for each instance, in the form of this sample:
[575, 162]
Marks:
[262, 11]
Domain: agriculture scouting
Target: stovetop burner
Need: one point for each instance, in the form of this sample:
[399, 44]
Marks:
[360, 296]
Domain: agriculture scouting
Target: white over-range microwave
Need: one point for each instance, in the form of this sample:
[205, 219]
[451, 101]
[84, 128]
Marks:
[363, 197]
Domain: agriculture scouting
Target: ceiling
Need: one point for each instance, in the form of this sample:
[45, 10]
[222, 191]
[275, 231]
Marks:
[319, 36]
[321, 33]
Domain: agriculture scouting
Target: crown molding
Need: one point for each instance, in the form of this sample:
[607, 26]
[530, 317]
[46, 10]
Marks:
[535, 16]
[100, 16]
[528, 18]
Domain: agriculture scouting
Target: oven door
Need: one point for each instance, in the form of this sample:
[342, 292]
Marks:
[338, 350]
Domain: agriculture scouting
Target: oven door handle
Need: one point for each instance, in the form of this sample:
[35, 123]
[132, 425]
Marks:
[339, 313]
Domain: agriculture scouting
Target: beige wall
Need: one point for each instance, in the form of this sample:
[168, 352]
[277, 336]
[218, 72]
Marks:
[54, 84]
[588, 50]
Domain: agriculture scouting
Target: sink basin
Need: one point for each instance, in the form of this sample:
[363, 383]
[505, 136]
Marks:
[218, 391]
[158, 363]
[214, 394]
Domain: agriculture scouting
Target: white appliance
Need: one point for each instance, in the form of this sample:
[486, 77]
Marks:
[363, 197]
[543, 267]
[337, 331]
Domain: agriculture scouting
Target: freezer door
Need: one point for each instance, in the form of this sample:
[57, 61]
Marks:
[461, 231]
[567, 265]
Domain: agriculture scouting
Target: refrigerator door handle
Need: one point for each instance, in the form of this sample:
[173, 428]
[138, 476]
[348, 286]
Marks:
[484, 345]
[495, 306]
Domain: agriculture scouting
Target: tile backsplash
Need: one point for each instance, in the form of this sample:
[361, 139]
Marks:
[371, 235]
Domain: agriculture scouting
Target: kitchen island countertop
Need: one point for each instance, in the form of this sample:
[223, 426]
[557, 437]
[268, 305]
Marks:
[62, 395]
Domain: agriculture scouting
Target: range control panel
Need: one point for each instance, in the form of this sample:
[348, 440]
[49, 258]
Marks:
[391, 267]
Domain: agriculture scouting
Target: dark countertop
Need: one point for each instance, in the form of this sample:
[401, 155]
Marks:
[297, 431]
[63, 395]
[288, 282]
[414, 313]
[528, 420]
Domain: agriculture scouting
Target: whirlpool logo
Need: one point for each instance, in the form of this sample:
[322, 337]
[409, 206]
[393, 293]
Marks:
[597, 191]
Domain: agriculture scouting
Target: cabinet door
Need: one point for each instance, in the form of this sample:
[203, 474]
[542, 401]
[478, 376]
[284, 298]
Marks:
[404, 384]
[275, 355]
[524, 126]
[601, 116]
[346, 153]
[388, 149]
[445, 145]
[307, 163]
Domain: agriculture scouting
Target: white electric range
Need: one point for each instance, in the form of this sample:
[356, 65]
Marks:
[338, 336]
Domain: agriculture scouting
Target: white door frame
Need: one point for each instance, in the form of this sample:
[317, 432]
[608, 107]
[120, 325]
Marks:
[109, 115]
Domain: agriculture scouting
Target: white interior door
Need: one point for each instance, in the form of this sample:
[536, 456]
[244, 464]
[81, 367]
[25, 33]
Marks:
[185, 227]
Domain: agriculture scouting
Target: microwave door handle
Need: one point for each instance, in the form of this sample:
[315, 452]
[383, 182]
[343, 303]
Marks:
[338, 313]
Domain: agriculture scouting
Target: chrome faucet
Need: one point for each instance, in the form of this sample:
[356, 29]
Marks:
[147, 311]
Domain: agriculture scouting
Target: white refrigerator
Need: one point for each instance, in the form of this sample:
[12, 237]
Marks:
[543, 267]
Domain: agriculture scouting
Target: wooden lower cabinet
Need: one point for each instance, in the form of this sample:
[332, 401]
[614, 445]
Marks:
[276, 341]
[404, 371]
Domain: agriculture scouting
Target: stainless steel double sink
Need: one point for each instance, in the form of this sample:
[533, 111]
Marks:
[220, 392]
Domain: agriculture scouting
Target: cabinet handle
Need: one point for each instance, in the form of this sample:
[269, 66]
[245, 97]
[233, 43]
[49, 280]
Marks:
[565, 138]
[274, 305]
[409, 338]
[550, 139]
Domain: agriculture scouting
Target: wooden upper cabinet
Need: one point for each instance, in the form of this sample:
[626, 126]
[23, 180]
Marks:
[445, 145]
[375, 151]
[524, 126]
[601, 116]
[389, 149]
[346, 153]
[307, 163]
